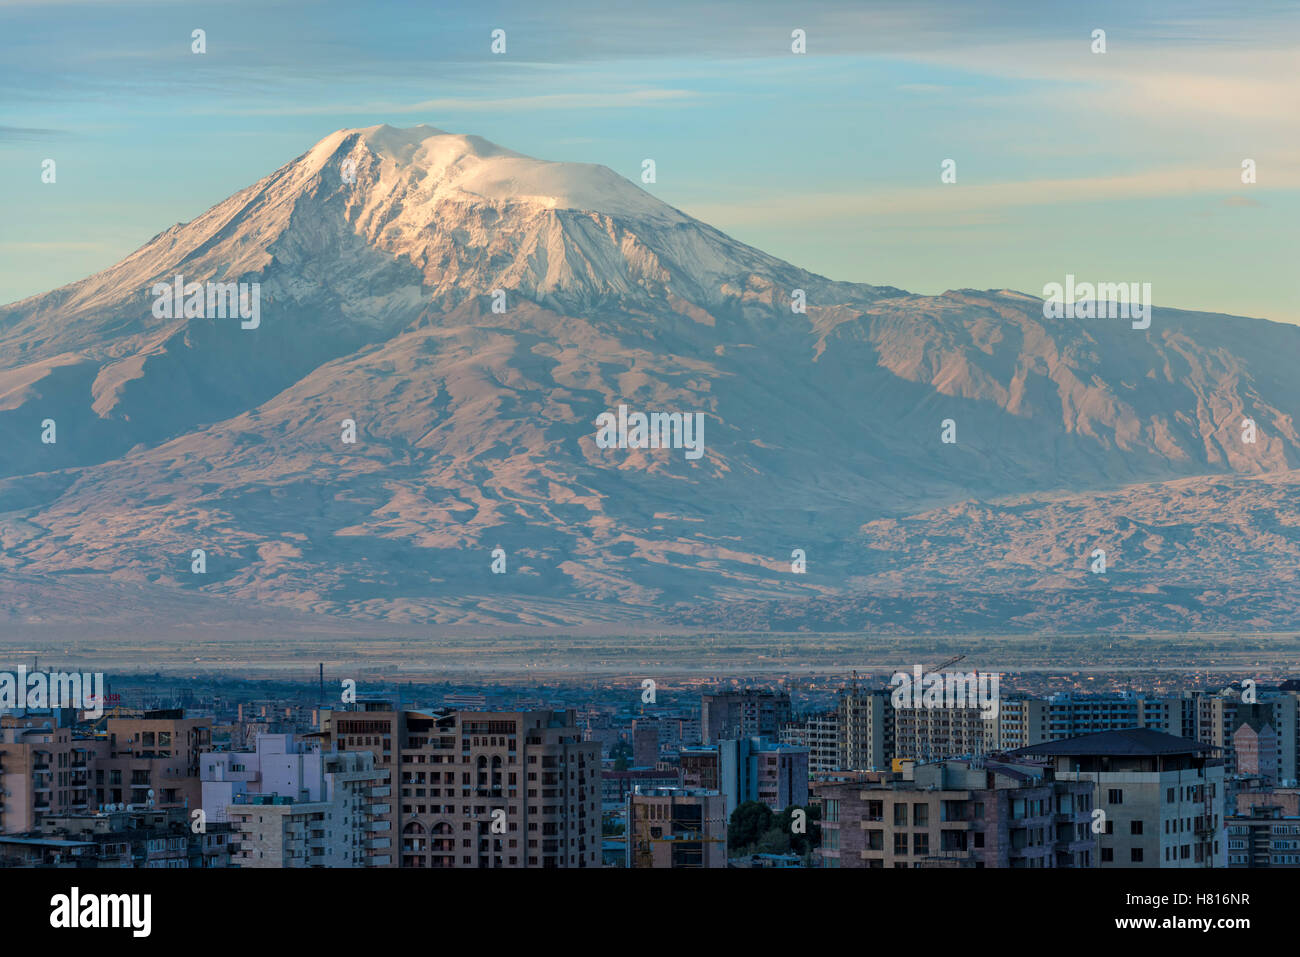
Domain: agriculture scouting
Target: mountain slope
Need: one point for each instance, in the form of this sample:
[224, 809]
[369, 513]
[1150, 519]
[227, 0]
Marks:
[476, 427]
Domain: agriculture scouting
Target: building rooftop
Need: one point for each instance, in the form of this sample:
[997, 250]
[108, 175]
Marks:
[1129, 741]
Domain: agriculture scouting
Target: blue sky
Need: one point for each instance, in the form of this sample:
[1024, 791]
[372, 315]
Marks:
[1123, 166]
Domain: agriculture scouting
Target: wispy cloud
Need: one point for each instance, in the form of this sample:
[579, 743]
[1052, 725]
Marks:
[630, 99]
[969, 198]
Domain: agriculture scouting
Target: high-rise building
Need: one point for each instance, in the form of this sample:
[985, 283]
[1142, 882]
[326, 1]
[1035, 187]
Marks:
[742, 714]
[930, 734]
[820, 734]
[645, 742]
[1218, 718]
[676, 827]
[1162, 796]
[866, 730]
[482, 788]
[756, 769]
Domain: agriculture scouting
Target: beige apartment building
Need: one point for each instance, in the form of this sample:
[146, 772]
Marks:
[482, 789]
[955, 814]
[147, 761]
[43, 771]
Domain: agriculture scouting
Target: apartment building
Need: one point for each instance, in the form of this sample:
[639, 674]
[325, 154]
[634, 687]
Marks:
[150, 760]
[1219, 714]
[865, 722]
[347, 825]
[676, 828]
[1163, 796]
[756, 769]
[955, 814]
[482, 789]
[615, 786]
[820, 734]
[1265, 836]
[152, 757]
[645, 742]
[930, 734]
[43, 770]
[282, 764]
[742, 714]
[120, 839]
[699, 767]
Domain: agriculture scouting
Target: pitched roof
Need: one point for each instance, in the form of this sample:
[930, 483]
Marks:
[1129, 741]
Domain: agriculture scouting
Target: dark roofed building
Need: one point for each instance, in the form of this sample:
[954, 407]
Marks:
[1161, 796]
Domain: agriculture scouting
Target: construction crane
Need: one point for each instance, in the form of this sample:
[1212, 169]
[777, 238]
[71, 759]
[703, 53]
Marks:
[951, 661]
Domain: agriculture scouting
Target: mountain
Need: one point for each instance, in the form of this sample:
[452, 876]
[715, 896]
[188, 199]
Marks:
[474, 311]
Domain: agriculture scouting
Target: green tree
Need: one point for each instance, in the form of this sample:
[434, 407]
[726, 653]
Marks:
[775, 841]
[749, 822]
[803, 844]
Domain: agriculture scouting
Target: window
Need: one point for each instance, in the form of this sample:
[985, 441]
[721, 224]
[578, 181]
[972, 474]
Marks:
[1107, 855]
[1135, 827]
[1115, 796]
[1135, 855]
[920, 815]
[900, 815]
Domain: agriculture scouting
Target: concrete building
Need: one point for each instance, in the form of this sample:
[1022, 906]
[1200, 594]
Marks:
[348, 826]
[1263, 837]
[1217, 720]
[645, 742]
[931, 734]
[615, 786]
[743, 714]
[955, 814]
[150, 760]
[865, 721]
[676, 828]
[1255, 743]
[1163, 796]
[120, 839]
[153, 757]
[482, 789]
[43, 771]
[756, 769]
[820, 734]
[280, 764]
[700, 767]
